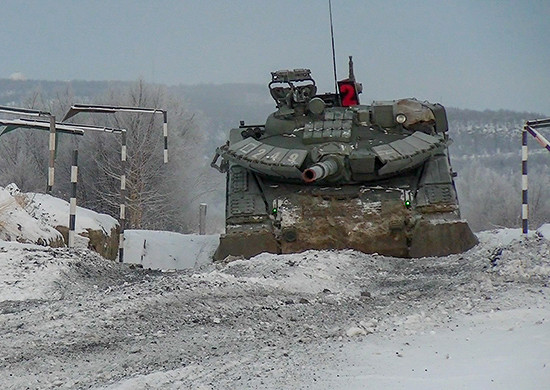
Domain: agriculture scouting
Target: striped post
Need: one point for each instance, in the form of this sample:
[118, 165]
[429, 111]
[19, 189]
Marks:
[122, 220]
[165, 133]
[524, 183]
[52, 155]
[539, 138]
[72, 208]
[529, 128]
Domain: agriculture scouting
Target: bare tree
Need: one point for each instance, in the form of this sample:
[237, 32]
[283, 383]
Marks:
[159, 196]
[21, 160]
[25, 151]
[491, 198]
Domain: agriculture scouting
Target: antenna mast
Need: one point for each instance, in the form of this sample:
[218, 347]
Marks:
[333, 51]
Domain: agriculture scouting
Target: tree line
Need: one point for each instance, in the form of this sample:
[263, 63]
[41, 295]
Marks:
[159, 196]
[485, 153]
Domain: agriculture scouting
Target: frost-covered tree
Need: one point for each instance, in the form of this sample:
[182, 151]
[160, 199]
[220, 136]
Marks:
[21, 160]
[491, 198]
[159, 196]
[24, 152]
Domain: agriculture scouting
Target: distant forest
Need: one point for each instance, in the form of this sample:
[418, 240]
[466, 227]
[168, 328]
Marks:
[485, 151]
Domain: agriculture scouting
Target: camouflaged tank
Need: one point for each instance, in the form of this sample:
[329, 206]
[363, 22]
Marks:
[326, 172]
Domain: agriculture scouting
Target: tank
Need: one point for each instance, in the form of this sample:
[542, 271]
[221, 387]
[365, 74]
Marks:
[326, 172]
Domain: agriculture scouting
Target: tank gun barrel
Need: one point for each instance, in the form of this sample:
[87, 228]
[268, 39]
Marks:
[321, 170]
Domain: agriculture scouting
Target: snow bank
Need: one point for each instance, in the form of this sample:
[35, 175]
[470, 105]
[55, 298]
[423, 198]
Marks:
[93, 230]
[44, 219]
[316, 320]
[499, 236]
[55, 211]
[505, 236]
[16, 224]
[308, 272]
[168, 250]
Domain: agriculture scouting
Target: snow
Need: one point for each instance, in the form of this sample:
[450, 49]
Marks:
[312, 320]
[32, 217]
[16, 224]
[168, 250]
[24, 279]
[500, 236]
[483, 331]
[505, 236]
[56, 212]
[501, 350]
[544, 231]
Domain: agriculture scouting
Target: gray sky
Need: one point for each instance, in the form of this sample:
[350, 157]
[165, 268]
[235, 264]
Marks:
[475, 54]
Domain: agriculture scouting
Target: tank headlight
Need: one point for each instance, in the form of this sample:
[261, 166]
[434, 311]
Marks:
[400, 118]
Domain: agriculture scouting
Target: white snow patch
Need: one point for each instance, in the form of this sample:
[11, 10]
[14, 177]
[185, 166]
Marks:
[544, 231]
[25, 276]
[369, 207]
[289, 214]
[505, 236]
[16, 224]
[309, 272]
[168, 250]
[56, 212]
[32, 217]
[355, 331]
[500, 236]
[502, 350]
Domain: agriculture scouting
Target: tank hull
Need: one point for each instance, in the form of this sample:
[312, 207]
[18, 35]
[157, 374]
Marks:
[375, 218]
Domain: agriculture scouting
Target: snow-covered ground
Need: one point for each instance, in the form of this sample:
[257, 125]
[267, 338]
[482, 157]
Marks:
[33, 217]
[168, 250]
[316, 320]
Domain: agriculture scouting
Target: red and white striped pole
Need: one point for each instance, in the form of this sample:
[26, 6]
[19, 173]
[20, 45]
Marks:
[538, 137]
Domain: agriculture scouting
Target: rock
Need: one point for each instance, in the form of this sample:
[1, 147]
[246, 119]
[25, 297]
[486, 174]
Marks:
[98, 241]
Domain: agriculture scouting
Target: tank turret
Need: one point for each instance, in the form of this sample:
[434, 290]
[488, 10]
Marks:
[325, 172]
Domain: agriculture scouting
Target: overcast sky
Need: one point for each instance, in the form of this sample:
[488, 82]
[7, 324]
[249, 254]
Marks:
[476, 54]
